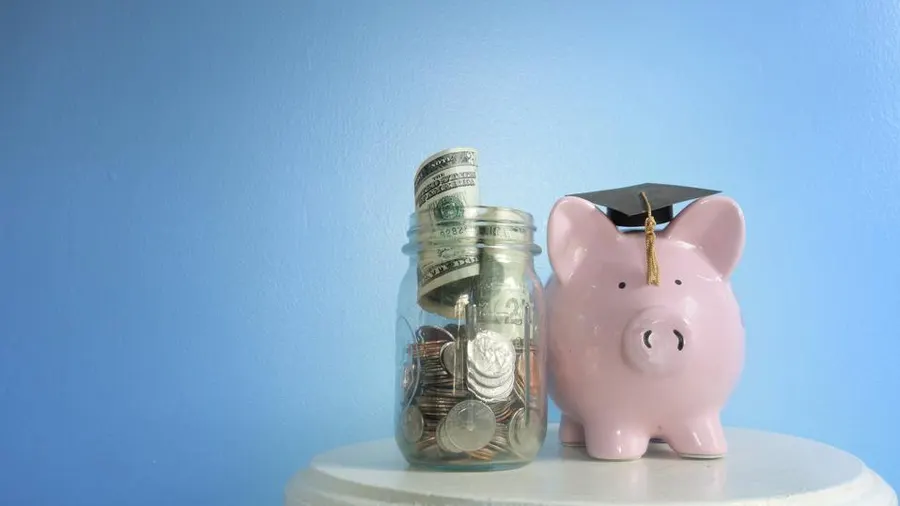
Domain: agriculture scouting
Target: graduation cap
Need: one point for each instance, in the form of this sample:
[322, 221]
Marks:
[645, 204]
[627, 207]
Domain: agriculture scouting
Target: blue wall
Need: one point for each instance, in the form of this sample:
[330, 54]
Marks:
[202, 206]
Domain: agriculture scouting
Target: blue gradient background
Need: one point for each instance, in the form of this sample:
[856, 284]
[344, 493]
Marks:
[203, 205]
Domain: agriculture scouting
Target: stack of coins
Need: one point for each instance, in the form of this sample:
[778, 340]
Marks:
[470, 398]
[528, 386]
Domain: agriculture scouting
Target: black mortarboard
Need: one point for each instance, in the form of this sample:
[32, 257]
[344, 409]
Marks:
[627, 208]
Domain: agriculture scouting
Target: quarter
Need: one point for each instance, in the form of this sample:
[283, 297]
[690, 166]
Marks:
[443, 441]
[470, 425]
[524, 433]
[489, 394]
[448, 357]
[411, 424]
[472, 376]
[491, 354]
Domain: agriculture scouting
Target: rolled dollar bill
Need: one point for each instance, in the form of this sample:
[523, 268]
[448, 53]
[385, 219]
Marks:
[445, 184]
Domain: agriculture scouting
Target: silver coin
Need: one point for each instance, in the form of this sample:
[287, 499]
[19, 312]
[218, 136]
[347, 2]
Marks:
[478, 380]
[448, 357]
[410, 380]
[412, 425]
[443, 441]
[524, 437]
[489, 381]
[470, 425]
[491, 354]
[522, 395]
[491, 394]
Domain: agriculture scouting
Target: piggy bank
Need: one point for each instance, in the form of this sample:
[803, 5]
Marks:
[629, 361]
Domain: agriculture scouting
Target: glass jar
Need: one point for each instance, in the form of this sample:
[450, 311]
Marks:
[470, 371]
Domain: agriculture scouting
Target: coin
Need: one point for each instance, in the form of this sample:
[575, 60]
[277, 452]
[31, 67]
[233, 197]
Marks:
[429, 333]
[470, 425]
[503, 410]
[426, 350]
[427, 347]
[410, 381]
[436, 405]
[431, 400]
[449, 391]
[523, 433]
[527, 368]
[432, 358]
[428, 441]
[443, 441]
[411, 424]
[487, 381]
[444, 383]
[489, 394]
[498, 444]
[435, 369]
[448, 357]
[533, 379]
[490, 354]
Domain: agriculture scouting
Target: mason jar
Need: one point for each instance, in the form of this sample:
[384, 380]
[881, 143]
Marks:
[470, 387]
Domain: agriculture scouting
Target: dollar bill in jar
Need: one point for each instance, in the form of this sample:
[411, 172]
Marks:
[502, 291]
[445, 185]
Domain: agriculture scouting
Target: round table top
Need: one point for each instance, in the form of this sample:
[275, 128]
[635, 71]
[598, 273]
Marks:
[761, 468]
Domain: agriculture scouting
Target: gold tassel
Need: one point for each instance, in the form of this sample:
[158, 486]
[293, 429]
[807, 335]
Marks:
[650, 236]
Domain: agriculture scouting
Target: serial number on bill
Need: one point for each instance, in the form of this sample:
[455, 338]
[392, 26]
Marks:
[455, 231]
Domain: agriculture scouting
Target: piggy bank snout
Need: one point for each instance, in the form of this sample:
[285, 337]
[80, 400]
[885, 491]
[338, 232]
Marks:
[655, 341]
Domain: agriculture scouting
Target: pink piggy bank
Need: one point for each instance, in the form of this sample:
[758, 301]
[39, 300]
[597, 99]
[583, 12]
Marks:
[629, 361]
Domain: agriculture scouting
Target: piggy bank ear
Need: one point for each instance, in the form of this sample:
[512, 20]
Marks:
[715, 225]
[575, 226]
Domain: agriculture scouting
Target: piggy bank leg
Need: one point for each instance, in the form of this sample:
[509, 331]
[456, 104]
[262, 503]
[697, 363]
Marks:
[698, 438]
[571, 433]
[615, 442]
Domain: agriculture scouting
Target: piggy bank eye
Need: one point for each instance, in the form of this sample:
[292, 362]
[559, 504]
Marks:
[677, 281]
[622, 285]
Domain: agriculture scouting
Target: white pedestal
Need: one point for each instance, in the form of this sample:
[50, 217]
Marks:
[760, 469]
